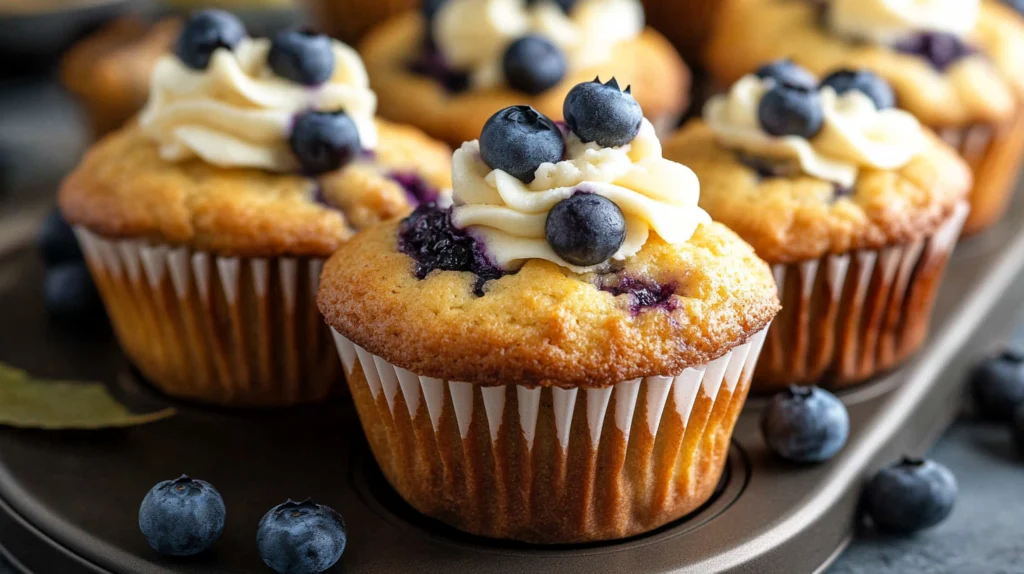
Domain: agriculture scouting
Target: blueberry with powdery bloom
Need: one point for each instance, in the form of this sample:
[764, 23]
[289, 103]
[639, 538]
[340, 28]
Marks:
[787, 110]
[865, 82]
[533, 64]
[602, 113]
[303, 57]
[805, 424]
[910, 495]
[182, 517]
[324, 141]
[787, 72]
[301, 537]
[585, 229]
[518, 139]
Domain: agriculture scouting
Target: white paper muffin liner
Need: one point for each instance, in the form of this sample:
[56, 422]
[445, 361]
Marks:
[226, 330]
[995, 154]
[549, 464]
[848, 317]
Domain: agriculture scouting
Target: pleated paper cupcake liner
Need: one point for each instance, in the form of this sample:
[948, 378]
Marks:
[995, 154]
[225, 330]
[552, 465]
[848, 317]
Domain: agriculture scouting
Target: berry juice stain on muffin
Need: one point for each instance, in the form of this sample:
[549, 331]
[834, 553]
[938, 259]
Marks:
[643, 293]
[417, 190]
[528, 47]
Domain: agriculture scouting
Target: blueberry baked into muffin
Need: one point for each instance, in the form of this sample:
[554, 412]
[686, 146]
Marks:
[206, 221]
[561, 355]
[109, 70]
[852, 202]
[448, 67]
[958, 65]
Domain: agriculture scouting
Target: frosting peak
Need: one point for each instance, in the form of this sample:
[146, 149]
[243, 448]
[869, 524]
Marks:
[238, 113]
[855, 134]
[888, 21]
[473, 34]
[509, 216]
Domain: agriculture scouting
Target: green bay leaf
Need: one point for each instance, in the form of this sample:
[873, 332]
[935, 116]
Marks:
[26, 402]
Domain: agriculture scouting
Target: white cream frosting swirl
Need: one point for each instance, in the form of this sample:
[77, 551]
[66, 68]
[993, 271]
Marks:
[473, 34]
[855, 133]
[238, 113]
[888, 21]
[509, 216]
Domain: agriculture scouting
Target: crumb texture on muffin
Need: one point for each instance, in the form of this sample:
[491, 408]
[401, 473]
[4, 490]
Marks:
[123, 189]
[790, 219]
[976, 89]
[658, 77]
[544, 325]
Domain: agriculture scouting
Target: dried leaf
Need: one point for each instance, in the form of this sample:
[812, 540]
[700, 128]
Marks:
[40, 404]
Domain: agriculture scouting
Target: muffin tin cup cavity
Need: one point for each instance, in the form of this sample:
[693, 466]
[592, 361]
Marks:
[224, 330]
[848, 317]
[995, 154]
[547, 464]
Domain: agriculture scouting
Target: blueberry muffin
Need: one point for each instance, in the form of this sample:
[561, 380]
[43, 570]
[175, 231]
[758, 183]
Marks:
[852, 202]
[109, 70]
[205, 222]
[958, 65]
[561, 355]
[447, 68]
[686, 23]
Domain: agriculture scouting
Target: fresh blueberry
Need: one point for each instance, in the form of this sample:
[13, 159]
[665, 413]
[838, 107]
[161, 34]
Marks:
[518, 139]
[868, 83]
[805, 424]
[910, 495]
[1018, 429]
[301, 537]
[70, 294]
[602, 113]
[787, 110]
[585, 229]
[433, 242]
[324, 141]
[788, 73]
[302, 57]
[533, 64]
[940, 49]
[57, 242]
[204, 32]
[997, 384]
[182, 517]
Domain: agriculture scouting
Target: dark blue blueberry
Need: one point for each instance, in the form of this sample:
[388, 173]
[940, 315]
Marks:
[788, 73]
[182, 517]
[767, 168]
[868, 83]
[70, 294]
[585, 229]
[997, 384]
[204, 32]
[324, 141]
[432, 63]
[417, 190]
[433, 242]
[940, 49]
[57, 242]
[301, 537]
[910, 495]
[791, 111]
[602, 113]
[533, 64]
[1018, 429]
[302, 57]
[518, 139]
[643, 293]
[565, 5]
[805, 424]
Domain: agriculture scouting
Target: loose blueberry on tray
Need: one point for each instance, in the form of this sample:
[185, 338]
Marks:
[301, 537]
[910, 495]
[70, 294]
[997, 384]
[182, 517]
[57, 242]
[805, 424]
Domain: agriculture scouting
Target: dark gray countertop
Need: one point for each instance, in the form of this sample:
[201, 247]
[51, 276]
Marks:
[42, 134]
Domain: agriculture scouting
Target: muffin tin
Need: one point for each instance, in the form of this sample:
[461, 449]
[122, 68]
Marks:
[68, 500]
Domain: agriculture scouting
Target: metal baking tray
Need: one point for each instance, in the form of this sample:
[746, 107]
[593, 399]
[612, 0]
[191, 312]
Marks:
[69, 500]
